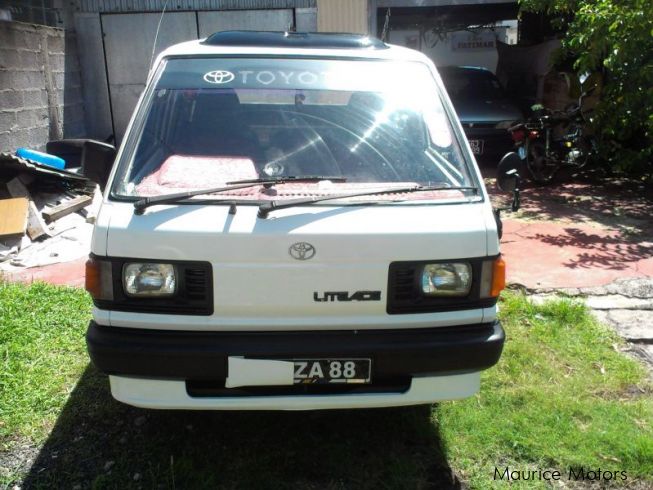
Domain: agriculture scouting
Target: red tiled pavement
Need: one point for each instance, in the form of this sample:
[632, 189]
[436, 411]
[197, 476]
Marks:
[578, 232]
[65, 273]
[545, 254]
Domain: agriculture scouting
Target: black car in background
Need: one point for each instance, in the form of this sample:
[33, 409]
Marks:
[484, 109]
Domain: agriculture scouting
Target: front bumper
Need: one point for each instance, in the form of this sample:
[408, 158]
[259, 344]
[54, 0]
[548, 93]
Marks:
[187, 370]
[203, 355]
[174, 395]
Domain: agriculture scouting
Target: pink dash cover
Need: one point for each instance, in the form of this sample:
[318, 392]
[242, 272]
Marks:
[182, 173]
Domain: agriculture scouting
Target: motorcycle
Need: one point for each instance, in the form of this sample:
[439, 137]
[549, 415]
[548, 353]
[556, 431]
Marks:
[551, 140]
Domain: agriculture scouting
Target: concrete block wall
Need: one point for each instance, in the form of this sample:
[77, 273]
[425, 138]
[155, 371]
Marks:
[40, 86]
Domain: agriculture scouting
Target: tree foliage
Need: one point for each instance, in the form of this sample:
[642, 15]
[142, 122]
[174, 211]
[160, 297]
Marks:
[614, 38]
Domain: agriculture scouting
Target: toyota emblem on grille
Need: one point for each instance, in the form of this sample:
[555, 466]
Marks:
[219, 76]
[301, 251]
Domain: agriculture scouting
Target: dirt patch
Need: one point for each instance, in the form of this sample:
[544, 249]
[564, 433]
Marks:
[17, 459]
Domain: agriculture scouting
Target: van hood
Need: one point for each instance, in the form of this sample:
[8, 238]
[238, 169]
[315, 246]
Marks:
[259, 284]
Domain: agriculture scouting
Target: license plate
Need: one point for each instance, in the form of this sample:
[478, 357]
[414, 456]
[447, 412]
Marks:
[477, 146]
[323, 371]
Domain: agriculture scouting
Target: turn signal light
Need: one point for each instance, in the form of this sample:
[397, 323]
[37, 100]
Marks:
[498, 277]
[99, 281]
[493, 277]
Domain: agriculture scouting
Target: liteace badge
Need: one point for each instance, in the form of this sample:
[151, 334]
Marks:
[346, 296]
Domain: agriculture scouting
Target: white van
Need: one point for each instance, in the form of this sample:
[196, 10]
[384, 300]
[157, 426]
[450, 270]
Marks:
[293, 221]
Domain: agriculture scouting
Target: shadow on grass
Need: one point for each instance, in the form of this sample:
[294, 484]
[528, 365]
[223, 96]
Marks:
[100, 443]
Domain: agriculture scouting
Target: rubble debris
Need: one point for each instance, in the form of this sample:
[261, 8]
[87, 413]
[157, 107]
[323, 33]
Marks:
[10, 247]
[71, 243]
[46, 214]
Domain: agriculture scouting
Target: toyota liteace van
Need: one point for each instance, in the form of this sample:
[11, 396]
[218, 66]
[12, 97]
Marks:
[294, 221]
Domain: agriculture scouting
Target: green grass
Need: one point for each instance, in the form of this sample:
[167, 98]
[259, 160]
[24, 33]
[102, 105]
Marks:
[42, 331]
[561, 396]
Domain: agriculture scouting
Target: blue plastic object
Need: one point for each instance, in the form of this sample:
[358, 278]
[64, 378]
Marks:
[42, 158]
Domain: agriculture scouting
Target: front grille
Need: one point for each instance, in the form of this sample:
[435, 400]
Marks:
[405, 294]
[197, 287]
[404, 283]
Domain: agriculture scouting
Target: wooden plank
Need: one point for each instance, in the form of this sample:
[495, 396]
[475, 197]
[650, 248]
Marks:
[90, 213]
[65, 208]
[36, 226]
[13, 216]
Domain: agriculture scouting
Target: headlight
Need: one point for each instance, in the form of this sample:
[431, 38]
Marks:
[149, 279]
[447, 279]
[504, 124]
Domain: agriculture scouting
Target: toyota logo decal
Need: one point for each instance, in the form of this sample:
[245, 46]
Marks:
[301, 251]
[219, 76]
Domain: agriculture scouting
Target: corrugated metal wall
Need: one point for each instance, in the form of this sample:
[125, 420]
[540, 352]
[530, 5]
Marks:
[118, 47]
[122, 6]
[112, 45]
[342, 16]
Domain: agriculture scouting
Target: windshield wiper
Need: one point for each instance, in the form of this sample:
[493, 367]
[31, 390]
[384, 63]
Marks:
[270, 181]
[267, 208]
[142, 204]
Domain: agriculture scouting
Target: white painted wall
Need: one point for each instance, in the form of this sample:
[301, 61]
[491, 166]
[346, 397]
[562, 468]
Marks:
[458, 48]
[342, 16]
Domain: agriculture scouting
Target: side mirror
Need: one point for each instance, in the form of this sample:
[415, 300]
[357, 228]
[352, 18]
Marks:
[508, 179]
[97, 160]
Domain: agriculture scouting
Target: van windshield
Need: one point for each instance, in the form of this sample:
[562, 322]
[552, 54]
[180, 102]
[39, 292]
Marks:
[210, 121]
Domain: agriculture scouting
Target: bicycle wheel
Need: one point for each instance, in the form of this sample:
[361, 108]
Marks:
[541, 168]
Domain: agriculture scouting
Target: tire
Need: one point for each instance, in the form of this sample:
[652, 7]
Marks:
[541, 168]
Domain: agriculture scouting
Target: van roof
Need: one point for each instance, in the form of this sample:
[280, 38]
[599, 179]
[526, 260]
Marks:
[323, 40]
[314, 45]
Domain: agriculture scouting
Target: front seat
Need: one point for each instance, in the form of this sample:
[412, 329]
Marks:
[218, 127]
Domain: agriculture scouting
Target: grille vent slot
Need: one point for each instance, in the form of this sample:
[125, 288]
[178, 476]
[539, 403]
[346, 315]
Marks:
[404, 284]
[196, 284]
